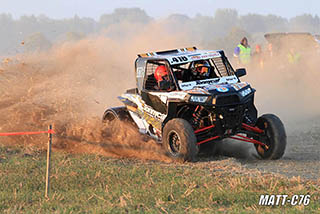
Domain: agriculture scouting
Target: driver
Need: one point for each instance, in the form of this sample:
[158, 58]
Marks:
[162, 77]
[200, 70]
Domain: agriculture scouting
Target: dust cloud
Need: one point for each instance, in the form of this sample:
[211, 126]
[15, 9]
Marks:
[71, 86]
[289, 90]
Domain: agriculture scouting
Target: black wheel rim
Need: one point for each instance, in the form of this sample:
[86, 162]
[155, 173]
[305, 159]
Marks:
[110, 117]
[174, 142]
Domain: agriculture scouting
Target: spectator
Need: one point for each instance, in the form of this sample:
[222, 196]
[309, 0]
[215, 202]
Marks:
[293, 56]
[243, 52]
[270, 50]
[258, 56]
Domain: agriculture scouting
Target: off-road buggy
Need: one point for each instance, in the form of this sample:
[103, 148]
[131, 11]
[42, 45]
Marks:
[186, 112]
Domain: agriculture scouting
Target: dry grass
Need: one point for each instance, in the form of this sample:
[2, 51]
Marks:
[96, 184]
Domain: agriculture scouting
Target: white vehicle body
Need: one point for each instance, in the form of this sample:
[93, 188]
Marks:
[188, 97]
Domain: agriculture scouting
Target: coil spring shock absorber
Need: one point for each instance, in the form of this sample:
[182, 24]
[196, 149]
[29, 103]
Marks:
[196, 119]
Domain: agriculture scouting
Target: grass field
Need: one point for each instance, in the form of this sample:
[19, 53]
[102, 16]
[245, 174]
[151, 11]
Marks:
[95, 184]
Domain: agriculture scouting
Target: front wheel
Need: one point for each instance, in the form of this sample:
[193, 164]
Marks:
[274, 137]
[179, 140]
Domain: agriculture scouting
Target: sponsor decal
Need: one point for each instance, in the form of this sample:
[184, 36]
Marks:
[245, 92]
[212, 81]
[222, 89]
[231, 78]
[186, 84]
[211, 87]
[177, 95]
[238, 86]
[205, 83]
[153, 113]
[146, 113]
[177, 59]
[150, 116]
[197, 91]
[191, 55]
[164, 96]
[205, 55]
[149, 119]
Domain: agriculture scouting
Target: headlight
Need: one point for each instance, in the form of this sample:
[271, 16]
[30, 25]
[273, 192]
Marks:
[245, 92]
[198, 99]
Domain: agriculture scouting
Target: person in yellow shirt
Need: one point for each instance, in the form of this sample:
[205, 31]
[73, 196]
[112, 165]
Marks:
[293, 56]
[243, 52]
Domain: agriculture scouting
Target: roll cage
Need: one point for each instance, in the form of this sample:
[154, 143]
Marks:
[181, 72]
[178, 61]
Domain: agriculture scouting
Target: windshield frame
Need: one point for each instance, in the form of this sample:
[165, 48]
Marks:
[217, 63]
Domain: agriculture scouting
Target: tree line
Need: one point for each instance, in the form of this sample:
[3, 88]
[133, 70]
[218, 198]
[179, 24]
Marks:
[223, 29]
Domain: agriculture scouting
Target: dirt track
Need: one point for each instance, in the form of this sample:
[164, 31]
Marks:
[68, 86]
[302, 156]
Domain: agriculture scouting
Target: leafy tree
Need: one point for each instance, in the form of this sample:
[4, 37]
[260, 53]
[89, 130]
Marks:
[306, 23]
[224, 20]
[178, 23]
[8, 33]
[222, 30]
[253, 23]
[202, 29]
[177, 19]
[134, 15]
[275, 24]
[36, 42]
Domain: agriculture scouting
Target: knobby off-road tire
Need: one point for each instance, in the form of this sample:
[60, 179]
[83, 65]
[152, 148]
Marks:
[118, 113]
[275, 137]
[179, 140]
[110, 116]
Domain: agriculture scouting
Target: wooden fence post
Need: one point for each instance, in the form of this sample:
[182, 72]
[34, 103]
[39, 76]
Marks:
[48, 160]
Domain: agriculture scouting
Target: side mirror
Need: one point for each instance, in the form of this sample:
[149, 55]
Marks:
[240, 72]
[164, 85]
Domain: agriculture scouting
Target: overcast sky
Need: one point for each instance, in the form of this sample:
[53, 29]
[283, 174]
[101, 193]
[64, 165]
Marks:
[160, 8]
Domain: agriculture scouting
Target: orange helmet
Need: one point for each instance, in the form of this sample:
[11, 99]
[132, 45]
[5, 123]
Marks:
[160, 72]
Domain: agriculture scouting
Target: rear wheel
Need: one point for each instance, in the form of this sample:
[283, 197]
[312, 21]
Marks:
[110, 115]
[274, 137]
[179, 140]
[117, 114]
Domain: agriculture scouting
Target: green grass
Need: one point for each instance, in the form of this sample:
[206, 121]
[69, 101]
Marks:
[95, 184]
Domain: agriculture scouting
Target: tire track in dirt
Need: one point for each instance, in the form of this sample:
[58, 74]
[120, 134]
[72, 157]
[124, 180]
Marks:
[302, 156]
